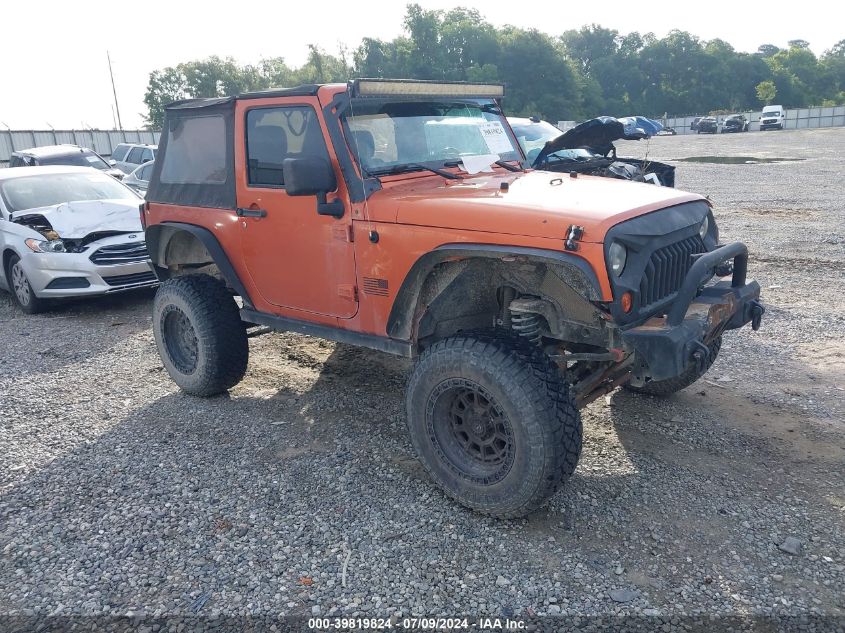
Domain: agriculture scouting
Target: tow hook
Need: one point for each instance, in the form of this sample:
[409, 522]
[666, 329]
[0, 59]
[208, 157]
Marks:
[757, 311]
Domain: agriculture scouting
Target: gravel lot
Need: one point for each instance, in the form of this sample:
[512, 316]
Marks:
[299, 494]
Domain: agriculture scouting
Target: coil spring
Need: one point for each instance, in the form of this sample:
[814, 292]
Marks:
[527, 325]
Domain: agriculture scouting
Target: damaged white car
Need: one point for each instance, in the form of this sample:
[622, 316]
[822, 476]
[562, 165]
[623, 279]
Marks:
[69, 232]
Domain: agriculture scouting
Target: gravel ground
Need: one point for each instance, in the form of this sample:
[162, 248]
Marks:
[298, 493]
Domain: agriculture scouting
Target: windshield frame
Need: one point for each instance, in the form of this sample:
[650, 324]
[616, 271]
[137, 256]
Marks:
[487, 105]
[10, 209]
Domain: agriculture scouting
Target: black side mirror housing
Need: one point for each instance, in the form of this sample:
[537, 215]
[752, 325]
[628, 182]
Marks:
[312, 176]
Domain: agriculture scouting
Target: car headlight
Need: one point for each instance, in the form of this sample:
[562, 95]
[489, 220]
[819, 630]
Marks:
[705, 227]
[45, 246]
[617, 255]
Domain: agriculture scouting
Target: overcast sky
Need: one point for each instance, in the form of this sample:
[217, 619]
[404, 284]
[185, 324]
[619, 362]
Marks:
[54, 71]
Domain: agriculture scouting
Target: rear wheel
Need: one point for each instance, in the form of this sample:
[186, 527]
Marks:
[200, 337]
[21, 289]
[493, 422]
[673, 385]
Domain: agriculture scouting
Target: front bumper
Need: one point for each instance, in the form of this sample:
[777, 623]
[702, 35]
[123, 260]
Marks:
[666, 346]
[61, 275]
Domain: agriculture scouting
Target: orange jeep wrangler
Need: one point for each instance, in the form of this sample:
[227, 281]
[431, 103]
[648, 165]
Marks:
[402, 216]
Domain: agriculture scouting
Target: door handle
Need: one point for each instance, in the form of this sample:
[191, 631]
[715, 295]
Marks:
[251, 213]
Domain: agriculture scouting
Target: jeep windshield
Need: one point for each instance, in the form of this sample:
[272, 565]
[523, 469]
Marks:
[388, 136]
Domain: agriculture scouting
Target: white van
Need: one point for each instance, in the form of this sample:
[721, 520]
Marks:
[772, 118]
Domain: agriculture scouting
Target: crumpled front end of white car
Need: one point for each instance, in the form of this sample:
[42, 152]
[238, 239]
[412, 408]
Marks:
[110, 264]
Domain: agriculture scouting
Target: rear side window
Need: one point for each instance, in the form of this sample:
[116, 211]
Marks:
[146, 171]
[146, 155]
[196, 151]
[273, 134]
[17, 161]
[120, 152]
[135, 155]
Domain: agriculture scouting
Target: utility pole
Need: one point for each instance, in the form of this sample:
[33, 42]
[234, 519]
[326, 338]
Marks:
[114, 91]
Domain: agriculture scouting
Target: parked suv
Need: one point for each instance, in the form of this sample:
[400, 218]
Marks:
[401, 216]
[71, 155]
[128, 156]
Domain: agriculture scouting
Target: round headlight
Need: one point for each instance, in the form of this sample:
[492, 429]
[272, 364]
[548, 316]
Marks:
[617, 255]
[705, 226]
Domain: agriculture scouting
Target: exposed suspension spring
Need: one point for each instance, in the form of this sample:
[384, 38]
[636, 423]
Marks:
[528, 325]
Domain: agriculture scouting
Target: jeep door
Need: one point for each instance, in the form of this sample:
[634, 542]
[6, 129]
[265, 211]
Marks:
[297, 259]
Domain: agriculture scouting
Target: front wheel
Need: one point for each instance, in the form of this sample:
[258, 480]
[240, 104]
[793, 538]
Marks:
[688, 377]
[493, 422]
[22, 291]
[200, 337]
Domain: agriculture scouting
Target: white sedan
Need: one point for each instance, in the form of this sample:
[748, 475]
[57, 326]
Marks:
[69, 232]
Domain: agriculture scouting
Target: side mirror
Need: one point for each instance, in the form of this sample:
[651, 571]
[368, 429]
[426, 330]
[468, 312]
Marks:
[112, 162]
[312, 176]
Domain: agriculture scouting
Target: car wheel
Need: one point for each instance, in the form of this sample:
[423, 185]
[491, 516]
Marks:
[688, 377]
[493, 422]
[21, 289]
[200, 336]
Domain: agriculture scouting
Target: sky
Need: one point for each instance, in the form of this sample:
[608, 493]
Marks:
[55, 72]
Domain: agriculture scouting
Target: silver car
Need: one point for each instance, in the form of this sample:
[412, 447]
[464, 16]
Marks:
[69, 232]
[128, 156]
[139, 179]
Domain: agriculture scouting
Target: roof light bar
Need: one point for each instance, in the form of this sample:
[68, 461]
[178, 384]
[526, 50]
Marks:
[413, 88]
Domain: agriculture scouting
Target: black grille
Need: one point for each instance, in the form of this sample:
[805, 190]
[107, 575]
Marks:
[667, 269]
[67, 283]
[126, 280]
[119, 254]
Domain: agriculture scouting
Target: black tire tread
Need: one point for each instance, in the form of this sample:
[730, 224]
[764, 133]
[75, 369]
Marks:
[217, 323]
[519, 360]
[663, 388]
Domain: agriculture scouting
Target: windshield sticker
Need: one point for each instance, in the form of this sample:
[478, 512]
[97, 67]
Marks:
[476, 164]
[496, 138]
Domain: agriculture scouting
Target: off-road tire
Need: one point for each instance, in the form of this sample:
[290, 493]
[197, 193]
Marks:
[15, 274]
[201, 339]
[526, 390]
[673, 385]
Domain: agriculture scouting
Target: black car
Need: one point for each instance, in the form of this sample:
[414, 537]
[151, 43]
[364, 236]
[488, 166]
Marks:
[64, 155]
[735, 123]
[707, 125]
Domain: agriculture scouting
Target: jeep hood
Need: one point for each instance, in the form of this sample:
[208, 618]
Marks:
[537, 203]
[75, 220]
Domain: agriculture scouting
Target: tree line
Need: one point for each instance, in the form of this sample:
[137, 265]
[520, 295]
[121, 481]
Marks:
[580, 74]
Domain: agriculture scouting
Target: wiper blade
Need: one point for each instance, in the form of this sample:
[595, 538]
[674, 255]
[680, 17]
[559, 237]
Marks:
[401, 169]
[508, 166]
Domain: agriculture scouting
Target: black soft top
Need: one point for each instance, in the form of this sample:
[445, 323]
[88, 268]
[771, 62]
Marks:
[195, 165]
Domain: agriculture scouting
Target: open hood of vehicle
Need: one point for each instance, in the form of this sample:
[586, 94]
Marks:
[75, 220]
[538, 204]
[598, 134]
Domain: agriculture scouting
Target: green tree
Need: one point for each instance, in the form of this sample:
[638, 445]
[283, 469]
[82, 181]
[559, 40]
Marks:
[766, 92]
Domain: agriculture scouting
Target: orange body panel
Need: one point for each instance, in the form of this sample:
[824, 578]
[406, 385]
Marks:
[298, 264]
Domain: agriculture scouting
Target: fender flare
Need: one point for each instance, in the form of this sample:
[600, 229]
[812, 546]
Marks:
[401, 314]
[153, 234]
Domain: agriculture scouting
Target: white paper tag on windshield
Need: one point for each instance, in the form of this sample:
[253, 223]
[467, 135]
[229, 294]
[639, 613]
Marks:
[496, 138]
[475, 164]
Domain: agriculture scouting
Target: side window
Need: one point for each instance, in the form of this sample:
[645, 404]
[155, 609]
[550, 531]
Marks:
[146, 155]
[119, 152]
[273, 134]
[16, 161]
[196, 151]
[146, 171]
[135, 155]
